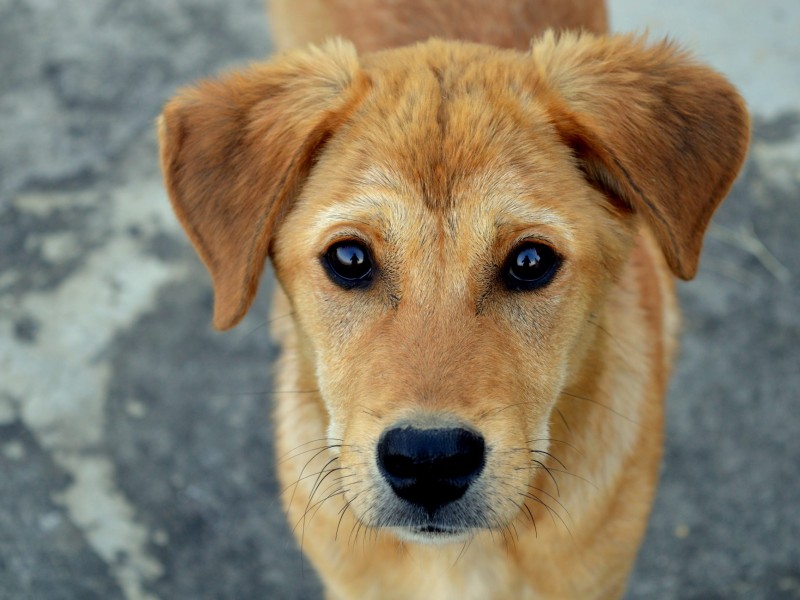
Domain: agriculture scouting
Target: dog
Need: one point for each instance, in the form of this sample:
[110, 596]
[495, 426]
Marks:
[475, 238]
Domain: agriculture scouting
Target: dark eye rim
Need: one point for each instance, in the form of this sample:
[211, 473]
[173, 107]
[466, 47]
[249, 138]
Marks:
[514, 283]
[345, 282]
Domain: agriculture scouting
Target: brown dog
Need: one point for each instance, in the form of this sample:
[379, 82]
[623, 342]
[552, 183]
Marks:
[475, 246]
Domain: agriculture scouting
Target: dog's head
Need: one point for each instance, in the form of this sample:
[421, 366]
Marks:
[445, 218]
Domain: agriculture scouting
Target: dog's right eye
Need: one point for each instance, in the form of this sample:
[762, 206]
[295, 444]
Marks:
[530, 266]
[348, 264]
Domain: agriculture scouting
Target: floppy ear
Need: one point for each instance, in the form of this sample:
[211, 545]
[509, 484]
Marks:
[651, 128]
[235, 152]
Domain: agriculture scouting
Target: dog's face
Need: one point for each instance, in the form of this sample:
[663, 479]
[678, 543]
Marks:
[446, 220]
[443, 275]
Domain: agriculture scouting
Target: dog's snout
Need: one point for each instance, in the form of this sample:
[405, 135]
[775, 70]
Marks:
[430, 467]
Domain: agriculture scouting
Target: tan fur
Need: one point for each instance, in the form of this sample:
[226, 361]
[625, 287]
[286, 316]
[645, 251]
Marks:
[378, 24]
[441, 156]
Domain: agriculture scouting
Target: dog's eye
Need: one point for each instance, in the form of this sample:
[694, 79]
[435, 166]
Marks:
[349, 264]
[530, 265]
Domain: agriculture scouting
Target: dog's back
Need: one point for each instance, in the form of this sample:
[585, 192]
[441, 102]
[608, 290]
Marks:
[377, 24]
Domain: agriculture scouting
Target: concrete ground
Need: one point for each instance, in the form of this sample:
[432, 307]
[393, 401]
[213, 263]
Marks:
[135, 445]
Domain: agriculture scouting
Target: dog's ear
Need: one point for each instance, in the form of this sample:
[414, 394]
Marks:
[235, 152]
[651, 128]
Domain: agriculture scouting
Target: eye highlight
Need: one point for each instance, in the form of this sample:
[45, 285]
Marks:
[348, 264]
[529, 266]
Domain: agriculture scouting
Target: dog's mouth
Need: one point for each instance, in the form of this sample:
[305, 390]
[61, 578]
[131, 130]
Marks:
[432, 534]
[434, 530]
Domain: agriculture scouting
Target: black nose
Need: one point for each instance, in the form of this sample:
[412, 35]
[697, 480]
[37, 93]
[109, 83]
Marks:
[430, 467]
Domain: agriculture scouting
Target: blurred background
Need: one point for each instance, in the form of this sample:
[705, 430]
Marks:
[135, 444]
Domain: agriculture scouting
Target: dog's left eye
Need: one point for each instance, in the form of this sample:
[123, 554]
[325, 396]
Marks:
[529, 266]
[348, 264]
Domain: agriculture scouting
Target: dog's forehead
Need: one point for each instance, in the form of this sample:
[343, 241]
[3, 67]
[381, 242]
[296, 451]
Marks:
[445, 119]
[455, 135]
[444, 243]
[450, 155]
[384, 197]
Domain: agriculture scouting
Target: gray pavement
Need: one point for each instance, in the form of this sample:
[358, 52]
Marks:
[135, 444]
